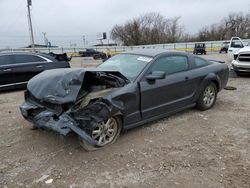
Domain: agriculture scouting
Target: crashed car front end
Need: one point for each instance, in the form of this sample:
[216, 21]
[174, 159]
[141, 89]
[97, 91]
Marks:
[74, 102]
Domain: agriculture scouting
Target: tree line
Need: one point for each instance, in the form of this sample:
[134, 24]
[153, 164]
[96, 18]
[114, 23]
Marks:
[154, 28]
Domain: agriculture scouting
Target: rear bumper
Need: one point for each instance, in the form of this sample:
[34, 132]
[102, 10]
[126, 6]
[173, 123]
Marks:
[47, 119]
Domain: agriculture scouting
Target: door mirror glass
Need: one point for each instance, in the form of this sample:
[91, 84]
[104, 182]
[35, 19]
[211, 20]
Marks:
[155, 75]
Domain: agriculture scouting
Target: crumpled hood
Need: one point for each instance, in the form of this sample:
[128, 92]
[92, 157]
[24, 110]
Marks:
[60, 86]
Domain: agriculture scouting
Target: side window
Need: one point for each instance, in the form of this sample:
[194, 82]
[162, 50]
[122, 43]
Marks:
[5, 59]
[171, 64]
[23, 58]
[200, 62]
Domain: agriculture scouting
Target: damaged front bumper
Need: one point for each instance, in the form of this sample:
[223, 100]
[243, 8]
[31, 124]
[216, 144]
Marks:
[47, 119]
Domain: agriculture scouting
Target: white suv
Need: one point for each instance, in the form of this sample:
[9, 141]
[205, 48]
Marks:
[241, 55]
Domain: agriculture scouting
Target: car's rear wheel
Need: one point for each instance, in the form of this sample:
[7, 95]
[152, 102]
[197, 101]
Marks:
[207, 97]
[104, 133]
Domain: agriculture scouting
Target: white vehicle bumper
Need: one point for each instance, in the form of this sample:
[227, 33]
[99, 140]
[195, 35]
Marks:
[241, 66]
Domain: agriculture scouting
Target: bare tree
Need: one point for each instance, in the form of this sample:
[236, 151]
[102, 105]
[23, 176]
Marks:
[151, 28]
[235, 24]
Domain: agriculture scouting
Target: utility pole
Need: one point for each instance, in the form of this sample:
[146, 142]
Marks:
[29, 3]
[84, 41]
[46, 41]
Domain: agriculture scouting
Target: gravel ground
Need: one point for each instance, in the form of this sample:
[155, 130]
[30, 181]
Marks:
[189, 149]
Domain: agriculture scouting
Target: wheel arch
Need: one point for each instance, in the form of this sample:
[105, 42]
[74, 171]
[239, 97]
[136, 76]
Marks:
[121, 118]
[217, 84]
[212, 77]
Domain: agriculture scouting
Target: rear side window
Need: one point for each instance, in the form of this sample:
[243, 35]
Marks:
[5, 59]
[200, 62]
[22, 58]
[171, 64]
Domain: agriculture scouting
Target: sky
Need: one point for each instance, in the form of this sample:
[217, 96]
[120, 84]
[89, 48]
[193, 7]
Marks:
[66, 21]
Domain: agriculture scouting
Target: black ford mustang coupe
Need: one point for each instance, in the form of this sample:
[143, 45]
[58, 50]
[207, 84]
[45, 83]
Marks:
[127, 90]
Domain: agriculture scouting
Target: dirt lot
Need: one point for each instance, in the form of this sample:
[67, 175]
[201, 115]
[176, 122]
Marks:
[191, 149]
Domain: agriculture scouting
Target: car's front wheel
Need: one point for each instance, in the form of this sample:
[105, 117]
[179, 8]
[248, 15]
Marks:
[207, 97]
[104, 133]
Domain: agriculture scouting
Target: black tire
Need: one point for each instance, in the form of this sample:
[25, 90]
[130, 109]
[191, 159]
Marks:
[96, 57]
[104, 56]
[207, 97]
[89, 147]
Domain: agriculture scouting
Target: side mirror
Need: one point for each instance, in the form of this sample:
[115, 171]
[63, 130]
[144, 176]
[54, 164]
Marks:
[156, 75]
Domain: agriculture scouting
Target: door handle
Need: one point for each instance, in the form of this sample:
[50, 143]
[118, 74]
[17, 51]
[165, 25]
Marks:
[7, 70]
[186, 78]
[39, 66]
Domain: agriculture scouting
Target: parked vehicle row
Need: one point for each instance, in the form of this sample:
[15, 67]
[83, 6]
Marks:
[200, 48]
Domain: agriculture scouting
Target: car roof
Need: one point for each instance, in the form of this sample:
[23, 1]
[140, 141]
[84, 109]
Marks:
[153, 52]
[45, 55]
[17, 52]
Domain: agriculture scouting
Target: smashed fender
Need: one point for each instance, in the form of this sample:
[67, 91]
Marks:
[75, 100]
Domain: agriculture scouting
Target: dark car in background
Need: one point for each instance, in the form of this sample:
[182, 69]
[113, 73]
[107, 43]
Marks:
[200, 48]
[93, 53]
[127, 90]
[17, 68]
[224, 47]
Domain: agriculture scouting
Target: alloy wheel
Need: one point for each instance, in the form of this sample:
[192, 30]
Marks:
[209, 96]
[105, 132]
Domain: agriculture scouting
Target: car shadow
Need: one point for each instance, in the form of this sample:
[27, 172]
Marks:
[5, 91]
[232, 74]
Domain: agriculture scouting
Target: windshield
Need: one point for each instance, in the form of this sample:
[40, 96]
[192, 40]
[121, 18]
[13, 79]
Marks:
[129, 65]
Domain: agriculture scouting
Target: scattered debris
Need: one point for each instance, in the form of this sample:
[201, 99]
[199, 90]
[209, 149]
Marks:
[45, 176]
[49, 181]
[230, 88]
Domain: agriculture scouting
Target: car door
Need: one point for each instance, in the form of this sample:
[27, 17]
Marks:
[170, 93]
[27, 66]
[6, 72]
